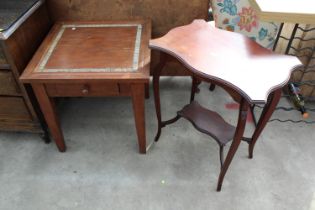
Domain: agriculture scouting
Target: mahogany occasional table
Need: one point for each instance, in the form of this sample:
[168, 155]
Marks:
[250, 73]
[92, 59]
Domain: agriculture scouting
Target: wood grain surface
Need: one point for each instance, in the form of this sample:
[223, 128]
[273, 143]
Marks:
[3, 60]
[101, 47]
[165, 14]
[95, 50]
[229, 58]
[8, 85]
[13, 108]
[19, 111]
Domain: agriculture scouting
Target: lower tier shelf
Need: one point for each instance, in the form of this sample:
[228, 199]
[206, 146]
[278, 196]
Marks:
[208, 122]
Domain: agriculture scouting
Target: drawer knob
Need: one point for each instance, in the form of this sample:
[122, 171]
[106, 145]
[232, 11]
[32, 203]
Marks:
[85, 90]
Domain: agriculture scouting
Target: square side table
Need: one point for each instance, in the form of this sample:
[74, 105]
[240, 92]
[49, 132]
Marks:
[92, 59]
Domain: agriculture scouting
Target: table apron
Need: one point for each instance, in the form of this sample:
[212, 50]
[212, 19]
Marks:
[88, 89]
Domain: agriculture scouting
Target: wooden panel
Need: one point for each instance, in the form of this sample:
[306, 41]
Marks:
[2, 58]
[3, 61]
[13, 108]
[22, 44]
[8, 85]
[84, 90]
[19, 49]
[171, 68]
[124, 89]
[20, 125]
[164, 14]
[17, 113]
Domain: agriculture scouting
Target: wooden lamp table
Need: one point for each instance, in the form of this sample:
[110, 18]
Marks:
[92, 59]
[250, 73]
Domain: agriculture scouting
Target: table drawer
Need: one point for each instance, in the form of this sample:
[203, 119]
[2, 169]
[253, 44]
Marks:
[84, 90]
[13, 108]
[8, 85]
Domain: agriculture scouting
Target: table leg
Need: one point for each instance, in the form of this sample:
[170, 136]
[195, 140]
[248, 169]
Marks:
[138, 95]
[156, 90]
[45, 135]
[236, 141]
[49, 111]
[194, 88]
[147, 91]
[212, 87]
[265, 116]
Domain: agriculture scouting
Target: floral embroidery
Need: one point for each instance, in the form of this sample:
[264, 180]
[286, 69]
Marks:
[238, 16]
[236, 20]
[229, 7]
[226, 21]
[230, 28]
[262, 33]
[248, 19]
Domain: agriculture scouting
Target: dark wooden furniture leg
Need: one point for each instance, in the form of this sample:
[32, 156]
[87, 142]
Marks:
[265, 116]
[48, 108]
[45, 135]
[138, 95]
[147, 91]
[236, 141]
[212, 87]
[194, 87]
[156, 90]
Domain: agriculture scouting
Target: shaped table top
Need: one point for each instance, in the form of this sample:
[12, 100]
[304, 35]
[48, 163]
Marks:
[228, 58]
[285, 11]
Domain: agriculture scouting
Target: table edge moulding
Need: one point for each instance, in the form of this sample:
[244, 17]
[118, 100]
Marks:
[202, 35]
